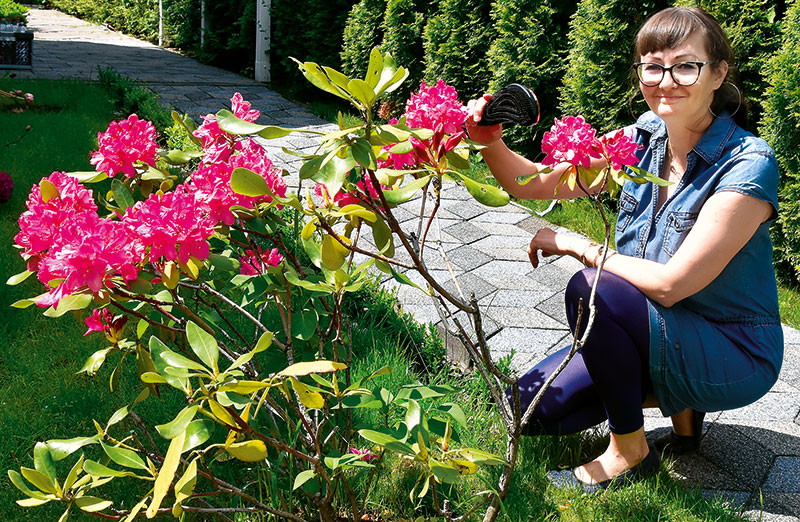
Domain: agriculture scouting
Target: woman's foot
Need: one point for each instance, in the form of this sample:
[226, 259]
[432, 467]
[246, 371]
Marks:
[687, 431]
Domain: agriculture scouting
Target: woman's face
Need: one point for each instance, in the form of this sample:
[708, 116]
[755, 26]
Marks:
[687, 105]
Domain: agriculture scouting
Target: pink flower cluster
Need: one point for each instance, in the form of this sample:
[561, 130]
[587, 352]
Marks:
[123, 144]
[74, 249]
[435, 108]
[256, 262]
[574, 141]
[218, 145]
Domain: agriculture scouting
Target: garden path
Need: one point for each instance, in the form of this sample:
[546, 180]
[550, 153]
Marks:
[750, 456]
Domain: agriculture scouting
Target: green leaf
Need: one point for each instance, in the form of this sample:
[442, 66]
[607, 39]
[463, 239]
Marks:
[248, 451]
[248, 183]
[122, 194]
[403, 279]
[197, 432]
[141, 328]
[95, 361]
[224, 263]
[362, 92]
[179, 361]
[152, 174]
[166, 474]
[48, 190]
[96, 469]
[68, 304]
[333, 253]
[43, 461]
[420, 392]
[203, 344]
[642, 176]
[382, 235]
[310, 399]
[333, 172]
[363, 153]
[20, 484]
[88, 176]
[482, 457]
[311, 166]
[124, 457]
[375, 67]
[319, 79]
[62, 448]
[39, 479]
[184, 487]
[23, 303]
[455, 411]
[32, 502]
[158, 350]
[485, 194]
[304, 324]
[413, 414]
[387, 441]
[292, 278]
[73, 474]
[456, 160]
[92, 504]
[232, 124]
[177, 425]
[271, 132]
[305, 368]
[444, 473]
[406, 192]
[17, 279]
[303, 477]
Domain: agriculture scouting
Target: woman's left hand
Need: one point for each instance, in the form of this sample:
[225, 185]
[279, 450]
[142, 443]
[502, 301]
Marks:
[551, 243]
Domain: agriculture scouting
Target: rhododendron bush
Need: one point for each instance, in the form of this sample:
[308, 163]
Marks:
[204, 270]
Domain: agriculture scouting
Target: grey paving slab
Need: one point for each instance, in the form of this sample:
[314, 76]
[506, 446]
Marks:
[744, 451]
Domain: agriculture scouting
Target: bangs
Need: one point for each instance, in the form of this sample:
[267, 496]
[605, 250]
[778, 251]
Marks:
[667, 30]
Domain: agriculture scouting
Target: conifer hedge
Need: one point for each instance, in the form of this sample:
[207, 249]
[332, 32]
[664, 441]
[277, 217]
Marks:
[781, 128]
[362, 31]
[598, 82]
[403, 27]
[529, 48]
[457, 41]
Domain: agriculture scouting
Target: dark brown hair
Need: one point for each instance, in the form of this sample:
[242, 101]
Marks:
[671, 27]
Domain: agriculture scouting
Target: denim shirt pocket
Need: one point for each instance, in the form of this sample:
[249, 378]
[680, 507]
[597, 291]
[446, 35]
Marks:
[627, 206]
[677, 227]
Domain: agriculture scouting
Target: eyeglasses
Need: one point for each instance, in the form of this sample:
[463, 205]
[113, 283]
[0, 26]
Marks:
[683, 73]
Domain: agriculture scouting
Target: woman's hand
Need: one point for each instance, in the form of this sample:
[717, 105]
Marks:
[484, 135]
[551, 243]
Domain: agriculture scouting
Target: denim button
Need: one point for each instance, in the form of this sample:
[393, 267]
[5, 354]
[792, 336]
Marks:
[677, 346]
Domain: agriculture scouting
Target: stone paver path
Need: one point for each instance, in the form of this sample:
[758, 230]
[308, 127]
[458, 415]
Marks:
[749, 456]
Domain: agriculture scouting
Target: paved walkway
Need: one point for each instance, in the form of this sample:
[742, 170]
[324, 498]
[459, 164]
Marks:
[749, 456]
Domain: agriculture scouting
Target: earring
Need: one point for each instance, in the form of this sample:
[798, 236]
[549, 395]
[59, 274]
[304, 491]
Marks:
[739, 95]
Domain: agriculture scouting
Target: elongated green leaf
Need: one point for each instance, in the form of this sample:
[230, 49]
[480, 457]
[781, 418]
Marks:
[73, 474]
[457, 160]
[362, 92]
[387, 441]
[444, 473]
[23, 303]
[32, 502]
[39, 479]
[455, 411]
[177, 157]
[305, 368]
[124, 457]
[122, 194]
[43, 461]
[310, 399]
[243, 387]
[179, 361]
[316, 75]
[333, 172]
[303, 477]
[413, 414]
[481, 457]
[17, 279]
[304, 323]
[95, 361]
[402, 278]
[166, 474]
[248, 451]
[224, 263]
[271, 132]
[96, 469]
[158, 350]
[136, 509]
[374, 69]
[643, 176]
[197, 432]
[486, 194]
[184, 487]
[62, 448]
[308, 285]
[248, 183]
[405, 192]
[177, 425]
[231, 124]
[88, 176]
[382, 235]
[333, 253]
[20, 484]
[92, 504]
[68, 304]
[203, 344]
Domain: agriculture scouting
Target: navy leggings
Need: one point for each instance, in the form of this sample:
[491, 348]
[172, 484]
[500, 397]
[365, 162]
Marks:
[609, 377]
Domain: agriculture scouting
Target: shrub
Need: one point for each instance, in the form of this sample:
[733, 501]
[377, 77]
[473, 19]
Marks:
[529, 49]
[457, 40]
[131, 97]
[754, 36]
[598, 82]
[13, 12]
[362, 32]
[780, 126]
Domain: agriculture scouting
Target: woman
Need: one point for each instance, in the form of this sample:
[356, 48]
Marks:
[688, 310]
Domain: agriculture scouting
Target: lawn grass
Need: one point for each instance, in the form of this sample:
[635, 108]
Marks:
[42, 398]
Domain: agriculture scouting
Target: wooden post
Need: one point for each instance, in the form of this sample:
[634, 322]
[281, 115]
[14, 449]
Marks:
[263, 31]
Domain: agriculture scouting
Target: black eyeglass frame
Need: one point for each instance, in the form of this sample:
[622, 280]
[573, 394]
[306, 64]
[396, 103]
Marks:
[699, 65]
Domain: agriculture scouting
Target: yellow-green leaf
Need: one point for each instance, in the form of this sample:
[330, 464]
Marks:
[166, 474]
[68, 304]
[221, 414]
[177, 425]
[39, 479]
[92, 504]
[243, 387]
[305, 368]
[33, 502]
[48, 190]
[248, 451]
[310, 399]
[184, 488]
[136, 509]
[333, 253]
[17, 279]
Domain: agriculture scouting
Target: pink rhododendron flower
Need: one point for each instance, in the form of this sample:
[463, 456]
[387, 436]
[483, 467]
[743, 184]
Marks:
[211, 182]
[86, 256]
[241, 109]
[571, 140]
[103, 321]
[43, 222]
[434, 105]
[123, 144]
[365, 454]
[620, 149]
[254, 263]
[397, 161]
[174, 226]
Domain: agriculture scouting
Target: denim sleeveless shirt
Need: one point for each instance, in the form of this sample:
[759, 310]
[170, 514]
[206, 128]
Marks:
[722, 347]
